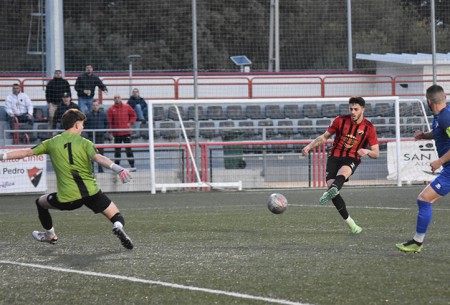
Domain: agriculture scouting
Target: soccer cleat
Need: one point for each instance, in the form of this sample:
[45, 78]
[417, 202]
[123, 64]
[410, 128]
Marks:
[124, 239]
[356, 229]
[353, 226]
[409, 246]
[43, 236]
[328, 195]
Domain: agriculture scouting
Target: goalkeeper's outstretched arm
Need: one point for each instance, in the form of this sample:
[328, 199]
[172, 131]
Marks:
[17, 154]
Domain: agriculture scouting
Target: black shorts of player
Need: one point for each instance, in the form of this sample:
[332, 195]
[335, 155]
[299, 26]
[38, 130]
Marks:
[335, 163]
[97, 203]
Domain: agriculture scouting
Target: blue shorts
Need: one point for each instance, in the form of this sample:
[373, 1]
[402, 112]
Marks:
[441, 184]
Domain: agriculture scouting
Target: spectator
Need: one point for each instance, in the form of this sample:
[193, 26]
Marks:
[65, 105]
[18, 106]
[53, 94]
[139, 105]
[121, 116]
[85, 87]
[96, 119]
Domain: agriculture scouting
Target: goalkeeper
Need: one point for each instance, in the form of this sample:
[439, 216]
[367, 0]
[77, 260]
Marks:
[71, 156]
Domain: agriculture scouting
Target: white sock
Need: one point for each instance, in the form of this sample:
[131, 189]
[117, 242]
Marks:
[51, 232]
[419, 237]
[350, 221]
[118, 224]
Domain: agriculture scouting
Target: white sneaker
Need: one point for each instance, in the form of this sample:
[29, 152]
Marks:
[43, 236]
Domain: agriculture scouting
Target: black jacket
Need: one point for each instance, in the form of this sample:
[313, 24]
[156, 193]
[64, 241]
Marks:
[88, 82]
[55, 90]
[133, 101]
[63, 108]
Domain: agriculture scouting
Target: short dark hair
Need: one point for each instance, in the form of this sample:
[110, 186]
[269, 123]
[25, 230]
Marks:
[357, 100]
[70, 117]
[436, 94]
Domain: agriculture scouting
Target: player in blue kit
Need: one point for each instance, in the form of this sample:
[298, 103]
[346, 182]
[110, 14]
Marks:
[440, 186]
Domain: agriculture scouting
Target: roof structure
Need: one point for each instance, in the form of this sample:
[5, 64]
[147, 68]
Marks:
[421, 59]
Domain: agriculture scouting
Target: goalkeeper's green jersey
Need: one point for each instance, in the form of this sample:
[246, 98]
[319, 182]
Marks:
[71, 157]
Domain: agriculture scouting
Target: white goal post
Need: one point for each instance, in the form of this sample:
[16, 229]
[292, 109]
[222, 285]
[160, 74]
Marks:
[154, 185]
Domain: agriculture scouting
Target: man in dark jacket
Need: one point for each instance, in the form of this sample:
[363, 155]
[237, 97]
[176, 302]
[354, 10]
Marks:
[53, 94]
[85, 87]
[96, 119]
[65, 105]
[139, 105]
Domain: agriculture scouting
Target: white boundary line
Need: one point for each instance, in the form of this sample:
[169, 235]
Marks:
[158, 283]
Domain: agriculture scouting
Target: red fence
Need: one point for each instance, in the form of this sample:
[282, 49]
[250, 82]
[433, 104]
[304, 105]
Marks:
[226, 87]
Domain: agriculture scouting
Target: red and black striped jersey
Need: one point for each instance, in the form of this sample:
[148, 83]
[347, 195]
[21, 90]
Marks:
[350, 137]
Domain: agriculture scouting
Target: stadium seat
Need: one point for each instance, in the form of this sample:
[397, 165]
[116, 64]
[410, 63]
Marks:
[343, 109]
[247, 131]
[305, 127]
[285, 128]
[159, 114]
[368, 110]
[270, 132]
[190, 129]
[215, 113]
[43, 135]
[226, 128]
[405, 109]
[234, 112]
[254, 112]
[191, 113]
[274, 112]
[416, 110]
[292, 112]
[322, 125]
[383, 110]
[168, 130]
[311, 111]
[207, 130]
[172, 113]
[329, 111]
[382, 131]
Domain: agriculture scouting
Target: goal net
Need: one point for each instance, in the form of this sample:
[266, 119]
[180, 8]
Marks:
[256, 143]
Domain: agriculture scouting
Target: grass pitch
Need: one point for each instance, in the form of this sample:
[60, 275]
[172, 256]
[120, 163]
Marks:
[227, 248]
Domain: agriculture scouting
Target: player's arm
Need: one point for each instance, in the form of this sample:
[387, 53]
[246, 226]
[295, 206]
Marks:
[124, 174]
[17, 154]
[439, 162]
[420, 135]
[320, 140]
[373, 152]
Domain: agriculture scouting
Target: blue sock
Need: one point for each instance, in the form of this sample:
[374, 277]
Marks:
[424, 216]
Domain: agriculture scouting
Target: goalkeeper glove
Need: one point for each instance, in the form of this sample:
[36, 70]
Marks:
[124, 174]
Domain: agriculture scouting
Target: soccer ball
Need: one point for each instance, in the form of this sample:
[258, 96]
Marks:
[277, 203]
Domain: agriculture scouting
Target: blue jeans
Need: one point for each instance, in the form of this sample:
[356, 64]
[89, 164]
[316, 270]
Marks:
[85, 104]
[139, 112]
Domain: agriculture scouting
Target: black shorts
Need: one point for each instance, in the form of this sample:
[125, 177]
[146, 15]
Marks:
[97, 203]
[335, 163]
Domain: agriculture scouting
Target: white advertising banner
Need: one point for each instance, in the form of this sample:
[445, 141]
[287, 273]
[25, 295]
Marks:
[415, 160]
[28, 175]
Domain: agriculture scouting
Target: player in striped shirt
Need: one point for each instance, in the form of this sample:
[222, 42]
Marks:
[355, 137]
[440, 186]
[71, 157]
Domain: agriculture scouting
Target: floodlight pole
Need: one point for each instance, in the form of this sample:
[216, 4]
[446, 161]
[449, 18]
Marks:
[433, 41]
[349, 34]
[131, 58]
[274, 37]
